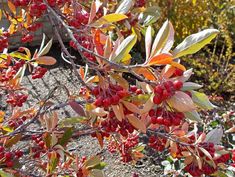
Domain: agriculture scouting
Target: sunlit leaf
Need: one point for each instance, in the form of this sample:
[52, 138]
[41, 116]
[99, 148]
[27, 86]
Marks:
[160, 39]
[181, 102]
[13, 140]
[214, 136]
[194, 42]
[190, 86]
[148, 41]
[45, 49]
[137, 123]
[178, 65]
[45, 60]
[110, 18]
[193, 115]
[120, 80]
[11, 7]
[94, 9]
[146, 72]
[161, 59]
[124, 6]
[118, 111]
[131, 107]
[124, 48]
[202, 100]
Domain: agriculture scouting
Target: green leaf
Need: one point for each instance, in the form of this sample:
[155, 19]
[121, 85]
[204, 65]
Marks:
[71, 121]
[124, 6]
[190, 86]
[46, 49]
[194, 42]
[139, 148]
[99, 166]
[214, 136]
[202, 100]
[5, 174]
[97, 173]
[15, 139]
[124, 48]
[160, 39]
[193, 115]
[66, 136]
[93, 161]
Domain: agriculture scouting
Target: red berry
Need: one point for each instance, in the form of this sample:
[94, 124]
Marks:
[178, 85]
[158, 90]
[133, 88]
[151, 113]
[9, 164]
[8, 155]
[41, 144]
[138, 91]
[157, 99]
[178, 72]
[154, 120]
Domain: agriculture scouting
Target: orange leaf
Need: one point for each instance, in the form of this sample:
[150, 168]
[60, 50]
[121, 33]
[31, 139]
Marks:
[178, 65]
[45, 60]
[147, 73]
[168, 71]
[137, 123]
[98, 45]
[11, 7]
[81, 72]
[161, 59]
[100, 139]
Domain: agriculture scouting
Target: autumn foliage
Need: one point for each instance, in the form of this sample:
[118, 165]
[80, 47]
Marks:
[161, 104]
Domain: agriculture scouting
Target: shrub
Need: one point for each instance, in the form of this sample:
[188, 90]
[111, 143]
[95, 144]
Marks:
[161, 103]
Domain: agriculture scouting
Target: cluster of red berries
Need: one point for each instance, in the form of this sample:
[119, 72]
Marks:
[110, 96]
[22, 3]
[34, 27]
[39, 72]
[79, 19]
[27, 38]
[7, 75]
[86, 43]
[113, 125]
[40, 146]
[194, 170]
[140, 3]
[16, 123]
[157, 143]
[8, 158]
[166, 90]
[18, 65]
[16, 99]
[3, 43]
[37, 8]
[53, 3]
[124, 147]
[136, 90]
[167, 118]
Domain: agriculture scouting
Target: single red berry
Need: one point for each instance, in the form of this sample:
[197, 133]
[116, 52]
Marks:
[157, 99]
[158, 90]
[41, 144]
[8, 155]
[133, 88]
[178, 85]
[9, 164]
[152, 113]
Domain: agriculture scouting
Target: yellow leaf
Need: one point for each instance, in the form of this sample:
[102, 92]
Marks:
[0, 14]
[120, 80]
[110, 18]
[45, 60]
[137, 123]
[161, 59]
[11, 7]
[2, 114]
[146, 72]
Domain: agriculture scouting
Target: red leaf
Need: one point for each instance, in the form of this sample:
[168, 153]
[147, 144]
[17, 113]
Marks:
[77, 108]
